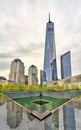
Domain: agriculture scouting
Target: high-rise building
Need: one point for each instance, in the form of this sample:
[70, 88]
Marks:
[66, 65]
[42, 77]
[26, 80]
[32, 76]
[50, 67]
[17, 72]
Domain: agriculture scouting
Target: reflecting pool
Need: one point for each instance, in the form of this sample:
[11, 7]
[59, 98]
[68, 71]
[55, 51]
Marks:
[41, 106]
[13, 116]
[48, 103]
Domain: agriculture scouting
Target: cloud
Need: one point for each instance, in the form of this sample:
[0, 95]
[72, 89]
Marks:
[23, 50]
[4, 65]
[6, 55]
[23, 26]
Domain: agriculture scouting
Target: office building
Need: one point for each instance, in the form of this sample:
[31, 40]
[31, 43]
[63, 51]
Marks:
[32, 76]
[17, 72]
[26, 80]
[42, 77]
[50, 53]
[66, 65]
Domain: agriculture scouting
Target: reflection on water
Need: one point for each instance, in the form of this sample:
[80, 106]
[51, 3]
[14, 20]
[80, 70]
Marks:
[14, 114]
[67, 117]
[31, 117]
[52, 122]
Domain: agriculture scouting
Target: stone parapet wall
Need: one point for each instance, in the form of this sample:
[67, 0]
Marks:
[5, 82]
[9, 82]
[74, 80]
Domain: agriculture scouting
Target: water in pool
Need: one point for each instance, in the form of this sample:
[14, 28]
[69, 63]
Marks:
[41, 104]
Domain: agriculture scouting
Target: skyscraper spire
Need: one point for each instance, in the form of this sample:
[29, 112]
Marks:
[49, 16]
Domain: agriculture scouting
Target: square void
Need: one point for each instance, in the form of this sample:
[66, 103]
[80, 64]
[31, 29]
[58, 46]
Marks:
[41, 102]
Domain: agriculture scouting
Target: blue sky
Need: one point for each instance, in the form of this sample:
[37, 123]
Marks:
[23, 26]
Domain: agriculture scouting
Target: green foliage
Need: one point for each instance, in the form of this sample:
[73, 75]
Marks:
[21, 88]
[0, 87]
[2, 96]
[15, 88]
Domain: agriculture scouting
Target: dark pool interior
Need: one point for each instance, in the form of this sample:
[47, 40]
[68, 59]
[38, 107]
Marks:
[41, 102]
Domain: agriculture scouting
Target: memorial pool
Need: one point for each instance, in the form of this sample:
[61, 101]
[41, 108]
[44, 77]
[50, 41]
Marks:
[41, 105]
[14, 116]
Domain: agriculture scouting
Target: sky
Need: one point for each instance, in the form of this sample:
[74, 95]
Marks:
[23, 29]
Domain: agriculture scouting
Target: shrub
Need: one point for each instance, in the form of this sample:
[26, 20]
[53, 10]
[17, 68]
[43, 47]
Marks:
[38, 88]
[0, 87]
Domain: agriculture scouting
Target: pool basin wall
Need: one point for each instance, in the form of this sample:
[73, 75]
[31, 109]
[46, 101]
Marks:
[22, 94]
[60, 94]
[66, 94]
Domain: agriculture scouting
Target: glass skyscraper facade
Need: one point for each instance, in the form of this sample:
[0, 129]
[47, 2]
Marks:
[42, 77]
[66, 65]
[32, 76]
[32, 71]
[50, 53]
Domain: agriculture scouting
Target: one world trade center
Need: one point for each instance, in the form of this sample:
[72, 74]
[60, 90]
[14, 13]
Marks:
[50, 66]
